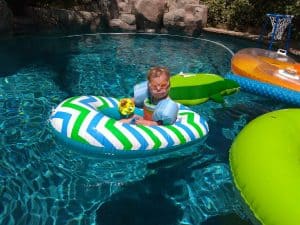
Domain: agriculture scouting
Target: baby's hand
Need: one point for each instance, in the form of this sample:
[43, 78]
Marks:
[142, 121]
[131, 120]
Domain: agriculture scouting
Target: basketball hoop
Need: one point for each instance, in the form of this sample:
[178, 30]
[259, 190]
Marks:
[279, 24]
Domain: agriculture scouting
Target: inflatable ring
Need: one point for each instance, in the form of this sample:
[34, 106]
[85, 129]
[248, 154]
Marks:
[263, 65]
[265, 163]
[267, 73]
[80, 121]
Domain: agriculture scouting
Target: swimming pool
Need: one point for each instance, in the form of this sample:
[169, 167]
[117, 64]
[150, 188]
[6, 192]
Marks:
[46, 182]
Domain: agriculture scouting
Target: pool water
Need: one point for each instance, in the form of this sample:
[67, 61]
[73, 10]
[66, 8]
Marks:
[46, 182]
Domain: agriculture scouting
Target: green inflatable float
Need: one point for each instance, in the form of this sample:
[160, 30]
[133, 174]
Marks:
[265, 163]
[193, 89]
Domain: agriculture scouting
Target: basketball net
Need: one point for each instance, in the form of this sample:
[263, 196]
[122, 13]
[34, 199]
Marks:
[279, 24]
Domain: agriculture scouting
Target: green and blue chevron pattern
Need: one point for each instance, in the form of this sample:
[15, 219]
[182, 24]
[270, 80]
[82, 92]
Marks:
[80, 119]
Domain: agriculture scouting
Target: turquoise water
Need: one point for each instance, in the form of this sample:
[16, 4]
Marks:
[46, 182]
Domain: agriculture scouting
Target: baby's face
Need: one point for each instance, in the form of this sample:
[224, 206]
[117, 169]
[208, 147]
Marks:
[159, 87]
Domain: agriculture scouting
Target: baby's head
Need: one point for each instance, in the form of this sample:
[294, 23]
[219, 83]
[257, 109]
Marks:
[126, 106]
[159, 82]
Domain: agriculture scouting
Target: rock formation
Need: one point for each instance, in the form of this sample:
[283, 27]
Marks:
[65, 18]
[188, 16]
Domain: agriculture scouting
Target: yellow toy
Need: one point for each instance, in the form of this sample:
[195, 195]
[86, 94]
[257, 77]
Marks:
[126, 107]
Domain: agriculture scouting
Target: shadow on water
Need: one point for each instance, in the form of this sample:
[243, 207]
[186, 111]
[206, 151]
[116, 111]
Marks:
[138, 209]
[22, 52]
[148, 201]
[229, 219]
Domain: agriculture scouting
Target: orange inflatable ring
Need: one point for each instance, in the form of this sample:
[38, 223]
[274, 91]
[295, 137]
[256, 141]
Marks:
[271, 67]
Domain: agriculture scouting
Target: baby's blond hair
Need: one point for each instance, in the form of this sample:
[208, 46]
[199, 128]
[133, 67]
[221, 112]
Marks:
[157, 72]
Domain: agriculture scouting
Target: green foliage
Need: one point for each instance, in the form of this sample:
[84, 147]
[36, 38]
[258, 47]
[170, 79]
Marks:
[243, 14]
[217, 7]
[234, 18]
